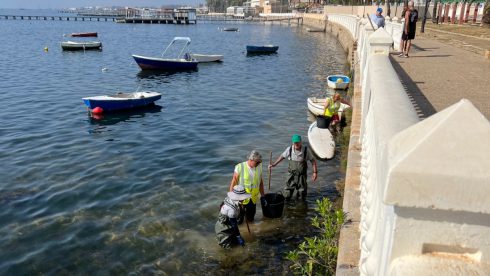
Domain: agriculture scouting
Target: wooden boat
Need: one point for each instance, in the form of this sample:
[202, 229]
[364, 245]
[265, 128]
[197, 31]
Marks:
[338, 81]
[122, 101]
[230, 29]
[321, 141]
[316, 105]
[262, 49]
[83, 35]
[207, 58]
[81, 45]
[182, 62]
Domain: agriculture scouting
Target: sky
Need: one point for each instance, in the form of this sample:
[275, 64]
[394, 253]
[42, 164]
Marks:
[60, 4]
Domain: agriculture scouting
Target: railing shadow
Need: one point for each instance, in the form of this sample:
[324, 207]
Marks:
[421, 104]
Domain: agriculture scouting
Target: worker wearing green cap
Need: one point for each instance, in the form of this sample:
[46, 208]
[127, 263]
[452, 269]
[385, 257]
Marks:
[297, 155]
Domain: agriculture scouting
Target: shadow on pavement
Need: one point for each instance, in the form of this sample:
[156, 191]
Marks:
[423, 107]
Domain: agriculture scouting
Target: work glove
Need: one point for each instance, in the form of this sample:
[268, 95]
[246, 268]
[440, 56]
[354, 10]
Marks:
[263, 201]
[240, 240]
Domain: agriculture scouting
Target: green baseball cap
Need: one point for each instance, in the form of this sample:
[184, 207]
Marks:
[296, 138]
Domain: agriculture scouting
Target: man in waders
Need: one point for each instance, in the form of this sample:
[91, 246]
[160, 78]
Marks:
[298, 155]
[249, 175]
[226, 228]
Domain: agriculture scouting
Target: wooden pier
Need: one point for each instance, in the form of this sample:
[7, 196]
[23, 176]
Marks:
[173, 17]
[261, 19]
[58, 18]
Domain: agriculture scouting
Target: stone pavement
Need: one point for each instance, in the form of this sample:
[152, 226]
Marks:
[438, 74]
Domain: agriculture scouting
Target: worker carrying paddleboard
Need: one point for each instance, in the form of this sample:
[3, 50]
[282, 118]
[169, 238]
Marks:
[226, 228]
[297, 155]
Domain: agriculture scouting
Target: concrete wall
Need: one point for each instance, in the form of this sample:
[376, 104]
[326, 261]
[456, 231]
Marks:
[416, 191]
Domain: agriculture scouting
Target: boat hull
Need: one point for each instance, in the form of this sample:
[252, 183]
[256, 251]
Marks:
[230, 29]
[333, 82]
[267, 49]
[316, 105]
[321, 141]
[81, 46]
[151, 63]
[122, 101]
[83, 35]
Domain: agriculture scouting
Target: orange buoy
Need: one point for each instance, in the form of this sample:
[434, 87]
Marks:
[97, 110]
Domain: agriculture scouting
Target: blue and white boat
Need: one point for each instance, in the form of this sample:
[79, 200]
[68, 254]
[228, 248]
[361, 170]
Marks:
[182, 62]
[262, 49]
[122, 101]
[338, 81]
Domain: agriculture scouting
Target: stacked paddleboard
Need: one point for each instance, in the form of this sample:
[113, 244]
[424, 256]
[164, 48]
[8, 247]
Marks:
[321, 141]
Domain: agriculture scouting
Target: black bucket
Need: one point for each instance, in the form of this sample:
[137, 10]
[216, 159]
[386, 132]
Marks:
[275, 205]
[322, 121]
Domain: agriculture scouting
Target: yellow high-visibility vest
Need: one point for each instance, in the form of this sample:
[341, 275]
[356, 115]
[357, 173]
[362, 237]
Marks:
[332, 108]
[251, 185]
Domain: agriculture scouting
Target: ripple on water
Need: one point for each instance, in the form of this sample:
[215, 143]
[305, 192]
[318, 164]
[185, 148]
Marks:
[138, 192]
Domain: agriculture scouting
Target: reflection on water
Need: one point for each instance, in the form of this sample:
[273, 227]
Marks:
[261, 55]
[161, 74]
[113, 118]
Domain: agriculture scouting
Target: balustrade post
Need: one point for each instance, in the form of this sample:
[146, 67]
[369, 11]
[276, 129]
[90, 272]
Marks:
[438, 182]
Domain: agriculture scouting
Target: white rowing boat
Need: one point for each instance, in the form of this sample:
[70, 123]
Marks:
[207, 58]
[316, 105]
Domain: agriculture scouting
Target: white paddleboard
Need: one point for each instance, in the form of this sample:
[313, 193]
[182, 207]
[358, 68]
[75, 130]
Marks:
[321, 141]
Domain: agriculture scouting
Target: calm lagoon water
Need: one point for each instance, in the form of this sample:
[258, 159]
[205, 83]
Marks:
[138, 192]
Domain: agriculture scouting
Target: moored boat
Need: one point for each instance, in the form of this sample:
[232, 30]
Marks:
[230, 29]
[182, 62]
[261, 49]
[315, 30]
[207, 58]
[317, 105]
[83, 35]
[122, 101]
[321, 141]
[338, 81]
[81, 45]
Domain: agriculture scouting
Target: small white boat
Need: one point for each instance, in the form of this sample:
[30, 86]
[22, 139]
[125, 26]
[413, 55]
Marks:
[82, 45]
[338, 81]
[316, 30]
[316, 105]
[321, 141]
[207, 58]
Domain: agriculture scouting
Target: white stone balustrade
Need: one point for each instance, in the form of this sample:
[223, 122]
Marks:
[425, 185]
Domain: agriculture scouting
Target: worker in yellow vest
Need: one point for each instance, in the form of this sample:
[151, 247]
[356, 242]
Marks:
[331, 109]
[249, 174]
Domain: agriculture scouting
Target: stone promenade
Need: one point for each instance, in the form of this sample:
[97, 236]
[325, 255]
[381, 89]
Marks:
[439, 73]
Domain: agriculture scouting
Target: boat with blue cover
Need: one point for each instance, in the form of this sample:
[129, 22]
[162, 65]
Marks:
[122, 101]
[182, 62]
[262, 49]
[338, 81]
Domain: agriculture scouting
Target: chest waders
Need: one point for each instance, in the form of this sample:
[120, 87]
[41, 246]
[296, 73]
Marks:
[225, 231]
[296, 186]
